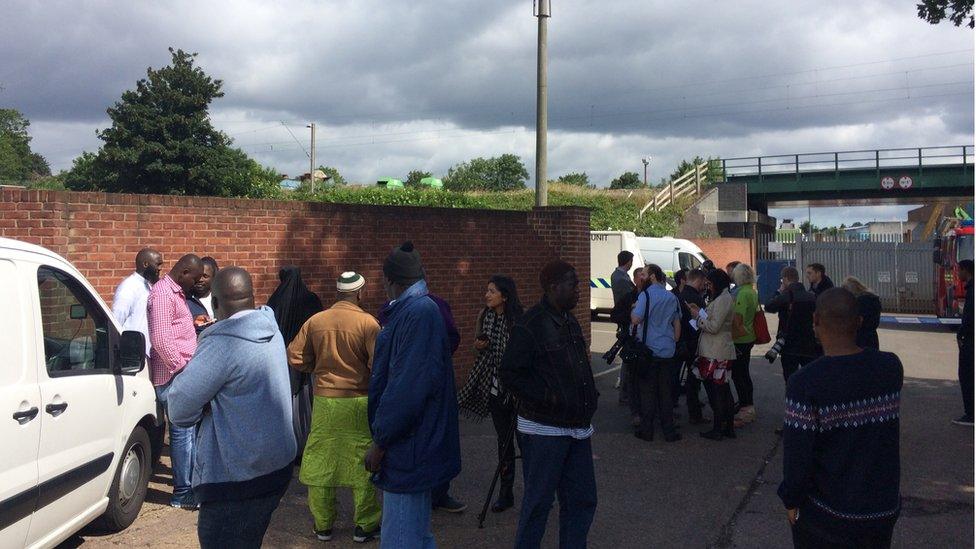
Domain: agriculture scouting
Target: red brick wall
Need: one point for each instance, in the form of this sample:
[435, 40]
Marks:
[101, 234]
[722, 251]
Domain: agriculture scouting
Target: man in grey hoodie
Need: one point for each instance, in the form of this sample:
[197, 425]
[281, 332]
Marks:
[236, 387]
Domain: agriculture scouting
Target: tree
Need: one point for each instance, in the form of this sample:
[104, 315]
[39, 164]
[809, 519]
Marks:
[499, 173]
[17, 161]
[414, 177]
[627, 180]
[577, 179]
[264, 182]
[84, 174]
[713, 171]
[333, 176]
[936, 11]
[162, 141]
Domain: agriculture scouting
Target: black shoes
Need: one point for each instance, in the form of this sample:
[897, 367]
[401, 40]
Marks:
[644, 435]
[505, 501]
[362, 536]
[714, 434]
[451, 505]
[966, 420]
[324, 535]
[673, 437]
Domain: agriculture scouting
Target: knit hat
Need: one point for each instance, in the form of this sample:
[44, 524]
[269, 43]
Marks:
[350, 282]
[403, 264]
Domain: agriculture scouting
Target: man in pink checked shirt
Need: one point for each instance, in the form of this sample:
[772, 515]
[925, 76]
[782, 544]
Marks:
[174, 340]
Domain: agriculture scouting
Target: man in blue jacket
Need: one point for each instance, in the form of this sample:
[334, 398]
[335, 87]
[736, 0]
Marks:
[237, 388]
[412, 405]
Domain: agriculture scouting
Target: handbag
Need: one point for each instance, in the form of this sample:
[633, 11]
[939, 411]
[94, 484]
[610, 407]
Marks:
[760, 328]
[634, 350]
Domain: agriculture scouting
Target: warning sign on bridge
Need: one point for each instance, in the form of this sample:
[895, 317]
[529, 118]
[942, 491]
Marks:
[887, 182]
[905, 182]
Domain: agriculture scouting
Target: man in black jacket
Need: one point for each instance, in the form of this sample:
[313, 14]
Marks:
[818, 279]
[795, 306]
[965, 339]
[688, 343]
[547, 367]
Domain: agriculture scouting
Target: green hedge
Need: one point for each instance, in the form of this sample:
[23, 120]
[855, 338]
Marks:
[610, 210]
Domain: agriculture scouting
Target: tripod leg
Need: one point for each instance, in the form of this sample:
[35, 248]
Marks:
[498, 471]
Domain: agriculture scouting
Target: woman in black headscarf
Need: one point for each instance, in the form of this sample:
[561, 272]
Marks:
[293, 304]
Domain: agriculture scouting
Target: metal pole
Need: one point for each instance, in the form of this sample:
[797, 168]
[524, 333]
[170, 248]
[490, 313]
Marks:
[541, 114]
[311, 159]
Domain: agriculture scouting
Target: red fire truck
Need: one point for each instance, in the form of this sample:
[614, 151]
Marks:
[954, 244]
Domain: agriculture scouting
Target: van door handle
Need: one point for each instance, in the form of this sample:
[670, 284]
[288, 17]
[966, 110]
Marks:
[56, 409]
[26, 415]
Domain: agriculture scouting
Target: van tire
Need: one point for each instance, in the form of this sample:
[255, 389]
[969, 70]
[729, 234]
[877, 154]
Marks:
[127, 494]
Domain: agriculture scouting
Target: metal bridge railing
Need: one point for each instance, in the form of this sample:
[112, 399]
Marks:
[878, 159]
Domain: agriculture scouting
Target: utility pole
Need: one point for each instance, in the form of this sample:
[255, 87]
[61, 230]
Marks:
[311, 159]
[646, 161]
[542, 10]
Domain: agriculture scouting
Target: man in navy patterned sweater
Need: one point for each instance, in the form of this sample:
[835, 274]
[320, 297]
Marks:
[840, 439]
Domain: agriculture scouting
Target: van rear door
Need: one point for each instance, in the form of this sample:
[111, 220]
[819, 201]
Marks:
[20, 408]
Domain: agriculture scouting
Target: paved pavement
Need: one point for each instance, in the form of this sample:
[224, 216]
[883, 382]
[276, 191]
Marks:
[693, 493]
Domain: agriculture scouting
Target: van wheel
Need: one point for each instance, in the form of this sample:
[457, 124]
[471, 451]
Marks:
[130, 483]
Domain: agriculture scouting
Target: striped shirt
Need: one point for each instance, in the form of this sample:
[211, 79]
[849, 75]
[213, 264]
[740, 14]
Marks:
[171, 331]
[527, 427]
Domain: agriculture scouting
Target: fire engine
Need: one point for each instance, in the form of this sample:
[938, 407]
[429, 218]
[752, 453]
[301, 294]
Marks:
[953, 243]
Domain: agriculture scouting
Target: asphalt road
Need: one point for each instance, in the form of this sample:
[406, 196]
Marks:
[693, 493]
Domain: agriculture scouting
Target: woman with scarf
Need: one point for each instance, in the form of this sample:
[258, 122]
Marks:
[293, 304]
[716, 352]
[483, 394]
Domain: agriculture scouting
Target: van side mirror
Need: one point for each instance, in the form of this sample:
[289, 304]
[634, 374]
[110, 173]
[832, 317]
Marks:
[131, 354]
[937, 257]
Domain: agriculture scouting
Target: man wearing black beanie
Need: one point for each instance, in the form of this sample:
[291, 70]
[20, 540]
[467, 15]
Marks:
[412, 407]
[547, 367]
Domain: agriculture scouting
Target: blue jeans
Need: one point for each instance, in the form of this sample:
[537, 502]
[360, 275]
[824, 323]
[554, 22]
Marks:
[551, 466]
[406, 521]
[238, 524]
[181, 453]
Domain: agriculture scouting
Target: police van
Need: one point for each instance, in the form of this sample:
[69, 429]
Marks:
[604, 247]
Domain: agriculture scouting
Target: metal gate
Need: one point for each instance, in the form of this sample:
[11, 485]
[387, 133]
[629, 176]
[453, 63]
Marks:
[900, 273]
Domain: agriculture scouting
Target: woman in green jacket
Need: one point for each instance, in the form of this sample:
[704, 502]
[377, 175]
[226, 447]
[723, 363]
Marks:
[744, 337]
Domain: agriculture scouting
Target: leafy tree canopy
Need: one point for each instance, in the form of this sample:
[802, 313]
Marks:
[578, 179]
[17, 161]
[499, 173]
[162, 140]
[957, 11]
[334, 177]
[414, 177]
[627, 180]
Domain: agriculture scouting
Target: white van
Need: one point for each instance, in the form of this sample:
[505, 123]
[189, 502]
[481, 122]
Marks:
[604, 247]
[671, 254]
[78, 406]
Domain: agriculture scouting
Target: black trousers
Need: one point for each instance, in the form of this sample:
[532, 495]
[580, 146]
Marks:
[692, 386]
[792, 363]
[740, 373]
[720, 399]
[503, 417]
[630, 387]
[654, 380]
[966, 377]
[806, 536]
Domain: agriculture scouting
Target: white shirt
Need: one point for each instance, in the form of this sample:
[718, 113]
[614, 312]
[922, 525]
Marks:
[208, 304]
[129, 305]
[528, 427]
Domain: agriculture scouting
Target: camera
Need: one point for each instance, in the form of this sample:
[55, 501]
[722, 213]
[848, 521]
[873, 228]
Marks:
[622, 338]
[775, 350]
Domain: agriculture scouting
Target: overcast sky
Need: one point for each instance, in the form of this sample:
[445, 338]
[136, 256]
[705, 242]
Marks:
[395, 86]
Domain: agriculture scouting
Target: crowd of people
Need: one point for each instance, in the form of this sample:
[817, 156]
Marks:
[369, 403]
[842, 392]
